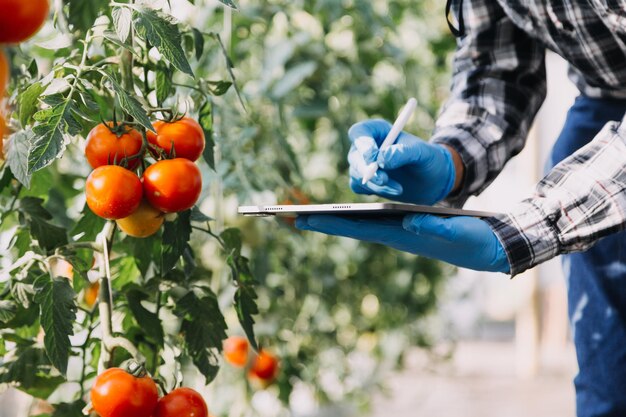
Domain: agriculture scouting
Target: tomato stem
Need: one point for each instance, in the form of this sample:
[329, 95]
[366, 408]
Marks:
[110, 342]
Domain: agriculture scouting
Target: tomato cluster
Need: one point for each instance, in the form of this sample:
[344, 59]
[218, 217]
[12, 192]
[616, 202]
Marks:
[19, 20]
[117, 393]
[262, 367]
[115, 192]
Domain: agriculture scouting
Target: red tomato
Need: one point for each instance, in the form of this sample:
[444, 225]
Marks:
[21, 19]
[113, 192]
[116, 393]
[172, 185]
[3, 132]
[105, 146]
[264, 367]
[186, 135]
[4, 72]
[182, 402]
[236, 351]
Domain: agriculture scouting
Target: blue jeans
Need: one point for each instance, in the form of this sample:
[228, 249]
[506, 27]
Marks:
[596, 284]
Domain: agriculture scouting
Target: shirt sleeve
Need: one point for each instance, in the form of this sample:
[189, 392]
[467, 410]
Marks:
[498, 85]
[580, 201]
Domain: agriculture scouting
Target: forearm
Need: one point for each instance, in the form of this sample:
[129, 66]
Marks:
[497, 88]
[580, 201]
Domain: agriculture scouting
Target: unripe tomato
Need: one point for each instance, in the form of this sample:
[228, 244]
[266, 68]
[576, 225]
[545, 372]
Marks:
[264, 368]
[4, 72]
[21, 19]
[91, 294]
[106, 146]
[236, 351]
[144, 222]
[186, 135]
[182, 402]
[116, 393]
[113, 192]
[172, 185]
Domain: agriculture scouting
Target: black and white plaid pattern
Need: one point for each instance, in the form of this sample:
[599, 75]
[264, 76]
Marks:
[581, 200]
[497, 88]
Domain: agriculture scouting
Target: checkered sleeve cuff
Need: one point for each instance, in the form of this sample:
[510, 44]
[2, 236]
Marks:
[527, 235]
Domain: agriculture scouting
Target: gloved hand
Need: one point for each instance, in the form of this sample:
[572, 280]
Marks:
[463, 241]
[411, 170]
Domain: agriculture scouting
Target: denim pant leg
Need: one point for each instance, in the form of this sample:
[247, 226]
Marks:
[596, 285]
[597, 311]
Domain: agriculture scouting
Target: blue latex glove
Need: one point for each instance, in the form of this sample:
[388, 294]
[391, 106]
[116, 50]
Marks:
[411, 170]
[463, 241]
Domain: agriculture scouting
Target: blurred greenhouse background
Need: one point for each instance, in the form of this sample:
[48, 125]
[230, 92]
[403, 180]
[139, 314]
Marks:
[361, 329]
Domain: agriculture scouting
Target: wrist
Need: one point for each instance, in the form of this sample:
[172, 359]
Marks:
[459, 168]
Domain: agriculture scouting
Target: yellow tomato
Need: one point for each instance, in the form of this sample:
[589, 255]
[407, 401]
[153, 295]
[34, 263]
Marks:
[144, 222]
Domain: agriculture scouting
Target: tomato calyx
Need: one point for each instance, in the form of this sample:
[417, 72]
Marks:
[135, 368]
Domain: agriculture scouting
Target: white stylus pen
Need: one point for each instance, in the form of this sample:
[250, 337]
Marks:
[396, 129]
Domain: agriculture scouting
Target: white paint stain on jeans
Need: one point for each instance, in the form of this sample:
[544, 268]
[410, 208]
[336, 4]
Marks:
[578, 312]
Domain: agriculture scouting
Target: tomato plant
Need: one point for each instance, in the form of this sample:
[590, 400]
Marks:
[264, 368]
[169, 300]
[19, 20]
[113, 192]
[185, 136]
[116, 393]
[172, 185]
[108, 144]
[182, 402]
[145, 221]
[236, 351]
[90, 297]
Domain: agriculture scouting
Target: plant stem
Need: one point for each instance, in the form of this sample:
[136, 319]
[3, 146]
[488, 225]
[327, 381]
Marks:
[110, 342]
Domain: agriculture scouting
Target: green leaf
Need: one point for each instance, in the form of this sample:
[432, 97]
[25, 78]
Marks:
[204, 328]
[219, 88]
[32, 371]
[232, 241]
[8, 309]
[17, 156]
[88, 226]
[28, 102]
[198, 216]
[198, 39]
[206, 121]
[82, 14]
[245, 297]
[48, 235]
[33, 207]
[48, 142]
[6, 176]
[163, 83]
[123, 22]
[130, 104]
[162, 33]
[176, 234]
[58, 312]
[229, 3]
[148, 320]
[74, 409]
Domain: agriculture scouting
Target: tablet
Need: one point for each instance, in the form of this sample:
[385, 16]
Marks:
[356, 209]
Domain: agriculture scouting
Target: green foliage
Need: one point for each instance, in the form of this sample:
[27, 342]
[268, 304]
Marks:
[58, 311]
[275, 100]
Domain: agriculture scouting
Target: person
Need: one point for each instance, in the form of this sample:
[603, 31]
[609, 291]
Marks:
[578, 209]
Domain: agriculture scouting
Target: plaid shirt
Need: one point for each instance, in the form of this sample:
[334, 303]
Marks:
[498, 85]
